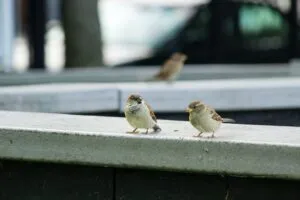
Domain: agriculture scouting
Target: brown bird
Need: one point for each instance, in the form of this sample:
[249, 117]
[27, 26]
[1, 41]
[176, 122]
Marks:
[204, 118]
[139, 114]
[171, 68]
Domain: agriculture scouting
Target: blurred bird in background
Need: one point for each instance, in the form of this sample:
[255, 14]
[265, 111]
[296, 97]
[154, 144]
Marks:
[171, 69]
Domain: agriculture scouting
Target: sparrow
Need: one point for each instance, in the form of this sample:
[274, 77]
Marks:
[171, 68]
[204, 118]
[139, 114]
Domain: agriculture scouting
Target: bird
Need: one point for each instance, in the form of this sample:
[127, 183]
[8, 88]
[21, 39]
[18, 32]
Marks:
[139, 114]
[204, 118]
[171, 68]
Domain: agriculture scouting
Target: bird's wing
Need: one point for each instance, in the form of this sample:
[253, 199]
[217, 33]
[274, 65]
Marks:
[151, 112]
[165, 70]
[215, 115]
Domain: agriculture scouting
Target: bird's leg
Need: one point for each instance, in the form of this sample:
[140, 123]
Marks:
[198, 135]
[146, 131]
[134, 131]
[213, 135]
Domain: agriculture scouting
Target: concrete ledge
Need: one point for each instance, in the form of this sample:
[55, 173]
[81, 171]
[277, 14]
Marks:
[139, 73]
[67, 98]
[244, 150]
[234, 94]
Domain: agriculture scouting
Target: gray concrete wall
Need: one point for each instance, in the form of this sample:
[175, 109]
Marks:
[223, 95]
[247, 150]
[47, 156]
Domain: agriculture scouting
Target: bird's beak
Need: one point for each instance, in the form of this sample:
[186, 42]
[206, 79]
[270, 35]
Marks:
[188, 110]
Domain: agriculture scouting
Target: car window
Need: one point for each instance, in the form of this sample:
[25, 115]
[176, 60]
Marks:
[252, 32]
[133, 29]
[262, 27]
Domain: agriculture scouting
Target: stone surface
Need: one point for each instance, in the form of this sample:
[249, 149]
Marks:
[247, 150]
[29, 181]
[61, 98]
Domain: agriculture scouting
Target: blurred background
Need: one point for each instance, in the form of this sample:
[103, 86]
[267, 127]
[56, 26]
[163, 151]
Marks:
[58, 34]
[86, 57]
[259, 37]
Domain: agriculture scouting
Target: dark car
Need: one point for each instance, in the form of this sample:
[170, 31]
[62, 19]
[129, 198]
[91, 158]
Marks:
[230, 32]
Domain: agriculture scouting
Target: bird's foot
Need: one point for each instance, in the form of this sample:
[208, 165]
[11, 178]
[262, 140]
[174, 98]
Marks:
[132, 132]
[135, 131]
[198, 135]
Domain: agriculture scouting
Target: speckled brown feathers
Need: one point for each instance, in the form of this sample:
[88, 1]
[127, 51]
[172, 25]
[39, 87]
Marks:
[194, 104]
[151, 112]
[172, 67]
[204, 118]
[215, 115]
[139, 114]
[138, 99]
[135, 97]
[212, 111]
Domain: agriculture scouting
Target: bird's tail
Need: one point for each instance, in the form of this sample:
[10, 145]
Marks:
[156, 128]
[228, 120]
